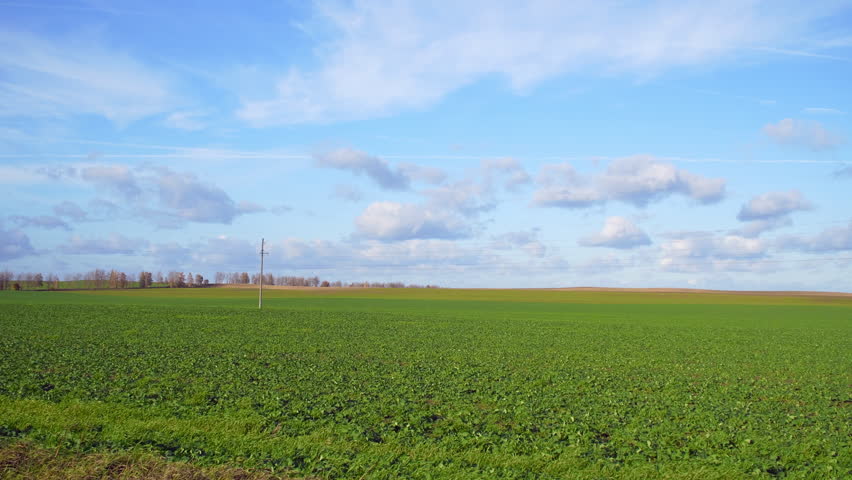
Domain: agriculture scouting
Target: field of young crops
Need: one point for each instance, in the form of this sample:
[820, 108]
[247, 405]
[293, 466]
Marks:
[436, 383]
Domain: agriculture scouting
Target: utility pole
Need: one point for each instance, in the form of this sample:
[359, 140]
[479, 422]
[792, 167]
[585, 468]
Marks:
[260, 292]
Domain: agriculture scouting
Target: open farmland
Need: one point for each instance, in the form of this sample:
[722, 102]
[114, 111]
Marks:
[436, 383]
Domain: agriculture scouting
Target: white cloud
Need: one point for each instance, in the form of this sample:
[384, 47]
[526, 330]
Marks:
[165, 197]
[755, 228]
[618, 232]
[834, 239]
[401, 221]
[699, 252]
[526, 241]
[465, 196]
[382, 57]
[803, 133]
[773, 205]
[14, 244]
[70, 76]
[420, 173]
[245, 206]
[360, 163]
[641, 179]
[509, 170]
[110, 245]
[637, 180]
[192, 200]
[41, 221]
[118, 178]
[70, 210]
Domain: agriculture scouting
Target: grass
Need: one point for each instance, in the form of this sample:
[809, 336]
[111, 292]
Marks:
[409, 383]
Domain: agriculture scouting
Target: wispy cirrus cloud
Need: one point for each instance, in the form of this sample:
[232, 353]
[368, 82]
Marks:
[44, 77]
[823, 111]
[380, 57]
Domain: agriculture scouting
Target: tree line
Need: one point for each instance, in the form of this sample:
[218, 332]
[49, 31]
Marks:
[100, 278]
[243, 278]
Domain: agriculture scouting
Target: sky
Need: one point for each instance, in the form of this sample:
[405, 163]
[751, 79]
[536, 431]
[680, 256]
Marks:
[465, 144]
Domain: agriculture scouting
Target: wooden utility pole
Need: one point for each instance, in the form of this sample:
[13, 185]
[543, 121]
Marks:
[260, 292]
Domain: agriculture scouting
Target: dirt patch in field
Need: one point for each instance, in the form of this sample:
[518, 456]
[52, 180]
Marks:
[27, 461]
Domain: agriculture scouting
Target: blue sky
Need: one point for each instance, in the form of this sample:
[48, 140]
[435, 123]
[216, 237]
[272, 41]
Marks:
[494, 144]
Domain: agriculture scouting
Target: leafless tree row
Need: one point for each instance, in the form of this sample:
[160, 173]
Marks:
[99, 278]
[243, 278]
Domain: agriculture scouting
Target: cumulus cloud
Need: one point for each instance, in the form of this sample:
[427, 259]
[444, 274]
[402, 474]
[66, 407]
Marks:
[637, 180]
[695, 252]
[41, 221]
[14, 244]
[423, 174]
[509, 170]
[245, 206]
[402, 221]
[561, 186]
[773, 205]
[836, 239]
[165, 197]
[192, 200]
[618, 232]
[112, 244]
[70, 210]
[526, 241]
[361, 163]
[642, 179]
[117, 178]
[383, 57]
[802, 133]
[466, 197]
[755, 228]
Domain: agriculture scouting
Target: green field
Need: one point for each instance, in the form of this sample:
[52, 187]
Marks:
[426, 383]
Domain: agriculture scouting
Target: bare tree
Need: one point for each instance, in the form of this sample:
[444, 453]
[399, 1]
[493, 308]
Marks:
[6, 280]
